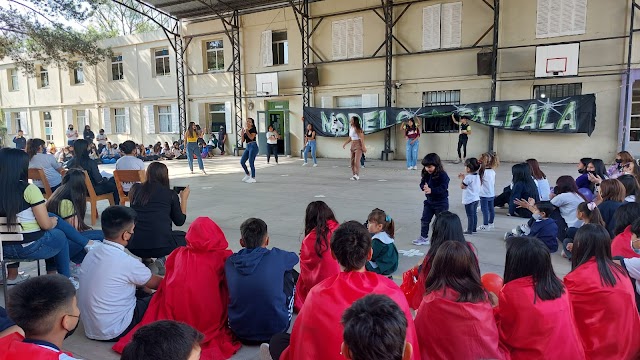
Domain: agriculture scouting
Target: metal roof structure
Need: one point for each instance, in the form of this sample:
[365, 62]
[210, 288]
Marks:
[194, 9]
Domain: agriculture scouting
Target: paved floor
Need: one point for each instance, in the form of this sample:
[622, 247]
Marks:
[283, 191]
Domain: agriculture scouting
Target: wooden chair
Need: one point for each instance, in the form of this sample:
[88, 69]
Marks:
[94, 198]
[38, 175]
[8, 233]
[127, 176]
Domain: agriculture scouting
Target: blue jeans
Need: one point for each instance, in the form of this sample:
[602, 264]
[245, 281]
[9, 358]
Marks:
[488, 210]
[412, 153]
[250, 154]
[53, 244]
[428, 212]
[472, 216]
[311, 146]
[193, 149]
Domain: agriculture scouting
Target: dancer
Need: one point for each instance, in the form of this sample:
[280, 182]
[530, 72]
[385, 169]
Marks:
[310, 145]
[464, 129]
[435, 185]
[248, 135]
[412, 134]
[191, 136]
[356, 138]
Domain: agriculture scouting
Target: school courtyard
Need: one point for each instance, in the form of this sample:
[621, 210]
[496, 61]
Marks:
[283, 191]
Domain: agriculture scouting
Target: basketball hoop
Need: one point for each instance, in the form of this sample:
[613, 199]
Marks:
[557, 66]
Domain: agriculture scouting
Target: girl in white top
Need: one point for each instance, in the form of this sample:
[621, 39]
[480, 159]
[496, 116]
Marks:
[566, 198]
[544, 190]
[356, 138]
[488, 163]
[471, 186]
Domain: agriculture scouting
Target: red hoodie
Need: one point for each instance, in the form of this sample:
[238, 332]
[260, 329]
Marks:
[531, 328]
[314, 269]
[194, 291]
[12, 347]
[317, 331]
[606, 317]
[621, 245]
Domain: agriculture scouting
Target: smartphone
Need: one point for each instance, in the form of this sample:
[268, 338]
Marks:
[178, 189]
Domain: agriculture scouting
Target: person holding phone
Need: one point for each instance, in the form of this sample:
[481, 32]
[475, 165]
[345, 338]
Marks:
[464, 130]
[157, 207]
[249, 136]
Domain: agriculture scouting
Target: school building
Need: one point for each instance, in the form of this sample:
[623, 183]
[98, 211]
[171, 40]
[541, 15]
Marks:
[438, 49]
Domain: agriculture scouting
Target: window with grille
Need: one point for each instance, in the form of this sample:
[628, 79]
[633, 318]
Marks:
[164, 119]
[120, 120]
[78, 73]
[162, 62]
[17, 119]
[81, 119]
[280, 48]
[117, 69]
[13, 77]
[44, 77]
[48, 126]
[556, 90]
[217, 116]
[215, 55]
[445, 97]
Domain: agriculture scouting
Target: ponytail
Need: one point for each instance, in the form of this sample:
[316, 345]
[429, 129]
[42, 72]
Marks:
[380, 217]
[591, 211]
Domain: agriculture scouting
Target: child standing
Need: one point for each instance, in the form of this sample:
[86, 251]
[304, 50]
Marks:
[384, 260]
[488, 163]
[435, 185]
[471, 185]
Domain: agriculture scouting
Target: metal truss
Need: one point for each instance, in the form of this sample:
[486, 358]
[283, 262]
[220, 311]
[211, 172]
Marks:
[301, 12]
[624, 126]
[388, 86]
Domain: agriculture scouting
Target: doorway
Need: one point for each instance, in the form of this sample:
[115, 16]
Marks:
[277, 115]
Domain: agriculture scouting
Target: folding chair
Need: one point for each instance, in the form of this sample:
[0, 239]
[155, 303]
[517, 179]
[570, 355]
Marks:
[127, 176]
[94, 198]
[38, 175]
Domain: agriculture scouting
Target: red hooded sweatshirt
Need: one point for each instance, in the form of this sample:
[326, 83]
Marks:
[533, 329]
[12, 347]
[606, 317]
[317, 331]
[314, 269]
[448, 329]
[194, 291]
[621, 245]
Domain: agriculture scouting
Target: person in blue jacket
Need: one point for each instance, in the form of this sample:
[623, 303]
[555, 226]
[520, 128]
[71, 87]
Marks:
[523, 188]
[435, 185]
[541, 226]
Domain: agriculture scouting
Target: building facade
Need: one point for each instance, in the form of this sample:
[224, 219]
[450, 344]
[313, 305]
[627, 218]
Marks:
[132, 95]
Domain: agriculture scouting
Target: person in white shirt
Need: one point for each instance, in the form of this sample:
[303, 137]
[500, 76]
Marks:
[544, 190]
[46, 309]
[272, 144]
[129, 161]
[108, 300]
[471, 186]
[72, 135]
[102, 140]
[489, 162]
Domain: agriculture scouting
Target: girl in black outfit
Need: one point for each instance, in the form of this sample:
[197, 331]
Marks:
[81, 160]
[596, 172]
[522, 187]
[157, 207]
[88, 134]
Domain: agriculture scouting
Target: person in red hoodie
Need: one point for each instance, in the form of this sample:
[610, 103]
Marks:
[624, 216]
[317, 331]
[602, 298]
[316, 262]
[194, 291]
[533, 311]
[455, 319]
[46, 309]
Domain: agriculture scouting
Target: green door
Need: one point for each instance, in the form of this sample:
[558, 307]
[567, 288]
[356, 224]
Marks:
[277, 115]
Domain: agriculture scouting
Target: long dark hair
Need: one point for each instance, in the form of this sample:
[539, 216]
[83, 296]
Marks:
[567, 184]
[81, 154]
[593, 216]
[14, 171]
[190, 129]
[73, 188]
[356, 123]
[600, 169]
[522, 173]
[475, 166]
[157, 175]
[630, 183]
[528, 256]
[447, 226]
[453, 267]
[593, 241]
[624, 216]
[432, 159]
[317, 216]
[535, 169]
[33, 147]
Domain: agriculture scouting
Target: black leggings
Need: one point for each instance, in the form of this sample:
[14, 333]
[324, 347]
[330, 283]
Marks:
[462, 144]
[178, 240]
[272, 149]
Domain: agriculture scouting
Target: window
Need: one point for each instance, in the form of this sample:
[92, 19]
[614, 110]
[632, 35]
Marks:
[442, 26]
[120, 120]
[117, 71]
[216, 116]
[48, 126]
[78, 73]
[44, 77]
[634, 128]
[164, 119]
[446, 97]
[347, 39]
[556, 91]
[81, 119]
[280, 48]
[215, 55]
[18, 121]
[162, 62]
[561, 18]
[354, 101]
[14, 85]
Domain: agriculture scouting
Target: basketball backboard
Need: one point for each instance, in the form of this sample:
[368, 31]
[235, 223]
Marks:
[557, 60]
[267, 84]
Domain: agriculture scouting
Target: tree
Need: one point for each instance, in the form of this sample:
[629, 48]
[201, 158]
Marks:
[116, 20]
[39, 31]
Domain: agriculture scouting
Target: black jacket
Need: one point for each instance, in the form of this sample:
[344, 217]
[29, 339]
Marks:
[439, 185]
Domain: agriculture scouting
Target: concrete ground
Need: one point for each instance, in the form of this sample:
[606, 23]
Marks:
[283, 191]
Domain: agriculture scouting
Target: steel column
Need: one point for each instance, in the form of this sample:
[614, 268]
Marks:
[622, 131]
[388, 86]
[237, 75]
[494, 64]
[180, 84]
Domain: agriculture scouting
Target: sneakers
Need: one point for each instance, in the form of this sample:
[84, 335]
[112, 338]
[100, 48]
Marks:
[203, 172]
[484, 228]
[507, 235]
[264, 352]
[315, 165]
[354, 177]
[20, 278]
[458, 161]
[251, 180]
[245, 178]
[415, 167]
[304, 164]
[491, 226]
[410, 168]
[421, 241]
[74, 283]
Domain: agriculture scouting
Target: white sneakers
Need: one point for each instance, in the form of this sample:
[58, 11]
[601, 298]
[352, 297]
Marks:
[251, 180]
[315, 165]
[245, 178]
[304, 164]
[354, 177]
[412, 168]
[421, 241]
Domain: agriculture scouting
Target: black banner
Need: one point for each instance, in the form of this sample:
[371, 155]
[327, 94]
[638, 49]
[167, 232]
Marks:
[575, 114]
